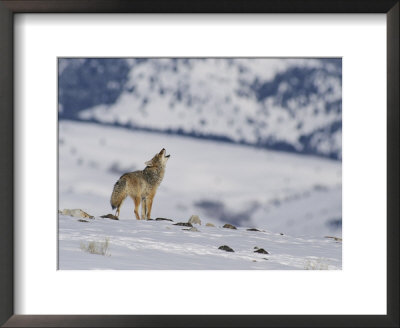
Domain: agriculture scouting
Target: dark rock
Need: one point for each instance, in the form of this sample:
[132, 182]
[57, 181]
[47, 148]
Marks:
[226, 248]
[252, 229]
[82, 220]
[229, 226]
[261, 251]
[334, 238]
[109, 216]
[164, 219]
[281, 233]
[255, 247]
[192, 229]
[183, 224]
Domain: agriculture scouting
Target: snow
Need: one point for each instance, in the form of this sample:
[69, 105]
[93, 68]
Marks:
[217, 97]
[153, 245]
[276, 192]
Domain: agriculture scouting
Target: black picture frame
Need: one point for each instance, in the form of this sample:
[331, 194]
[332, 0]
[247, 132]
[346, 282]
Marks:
[10, 7]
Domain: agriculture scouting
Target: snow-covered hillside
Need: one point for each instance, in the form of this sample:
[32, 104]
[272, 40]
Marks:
[284, 104]
[295, 199]
[222, 182]
[150, 245]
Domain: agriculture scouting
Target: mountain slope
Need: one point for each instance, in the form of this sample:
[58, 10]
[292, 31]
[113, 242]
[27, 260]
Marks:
[283, 104]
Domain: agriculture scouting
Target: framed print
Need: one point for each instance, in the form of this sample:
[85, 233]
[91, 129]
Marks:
[190, 108]
[203, 164]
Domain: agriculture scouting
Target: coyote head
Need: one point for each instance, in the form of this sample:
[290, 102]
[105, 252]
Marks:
[159, 159]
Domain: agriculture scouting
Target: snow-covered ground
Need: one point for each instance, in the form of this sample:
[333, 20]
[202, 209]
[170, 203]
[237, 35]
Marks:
[299, 196]
[143, 244]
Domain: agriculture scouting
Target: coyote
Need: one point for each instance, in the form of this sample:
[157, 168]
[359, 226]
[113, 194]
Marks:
[141, 186]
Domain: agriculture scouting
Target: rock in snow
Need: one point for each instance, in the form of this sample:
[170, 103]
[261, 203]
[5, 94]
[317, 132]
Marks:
[164, 219]
[226, 248]
[229, 226]
[261, 251]
[109, 216]
[78, 213]
[194, 219]
[194, 229]
[183, 224]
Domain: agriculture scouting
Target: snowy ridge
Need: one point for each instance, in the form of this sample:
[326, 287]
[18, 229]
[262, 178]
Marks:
[283, 104]
[153, 245]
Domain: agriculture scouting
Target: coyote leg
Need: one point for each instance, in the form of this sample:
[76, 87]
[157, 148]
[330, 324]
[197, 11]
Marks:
[136, 200]
[119, 208]
[149, 204]
[144, 209]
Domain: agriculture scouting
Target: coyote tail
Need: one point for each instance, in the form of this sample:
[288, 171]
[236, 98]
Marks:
[119, 193]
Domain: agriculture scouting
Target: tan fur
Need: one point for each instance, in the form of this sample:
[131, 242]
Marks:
[141, 186]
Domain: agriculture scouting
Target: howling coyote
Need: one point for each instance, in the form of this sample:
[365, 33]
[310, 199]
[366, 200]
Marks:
[141, 186]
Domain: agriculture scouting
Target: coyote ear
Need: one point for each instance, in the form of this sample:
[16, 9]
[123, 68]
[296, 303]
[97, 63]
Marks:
[148, 163]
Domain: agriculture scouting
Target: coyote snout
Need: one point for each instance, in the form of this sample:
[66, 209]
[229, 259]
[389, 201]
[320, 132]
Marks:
[141, 186]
